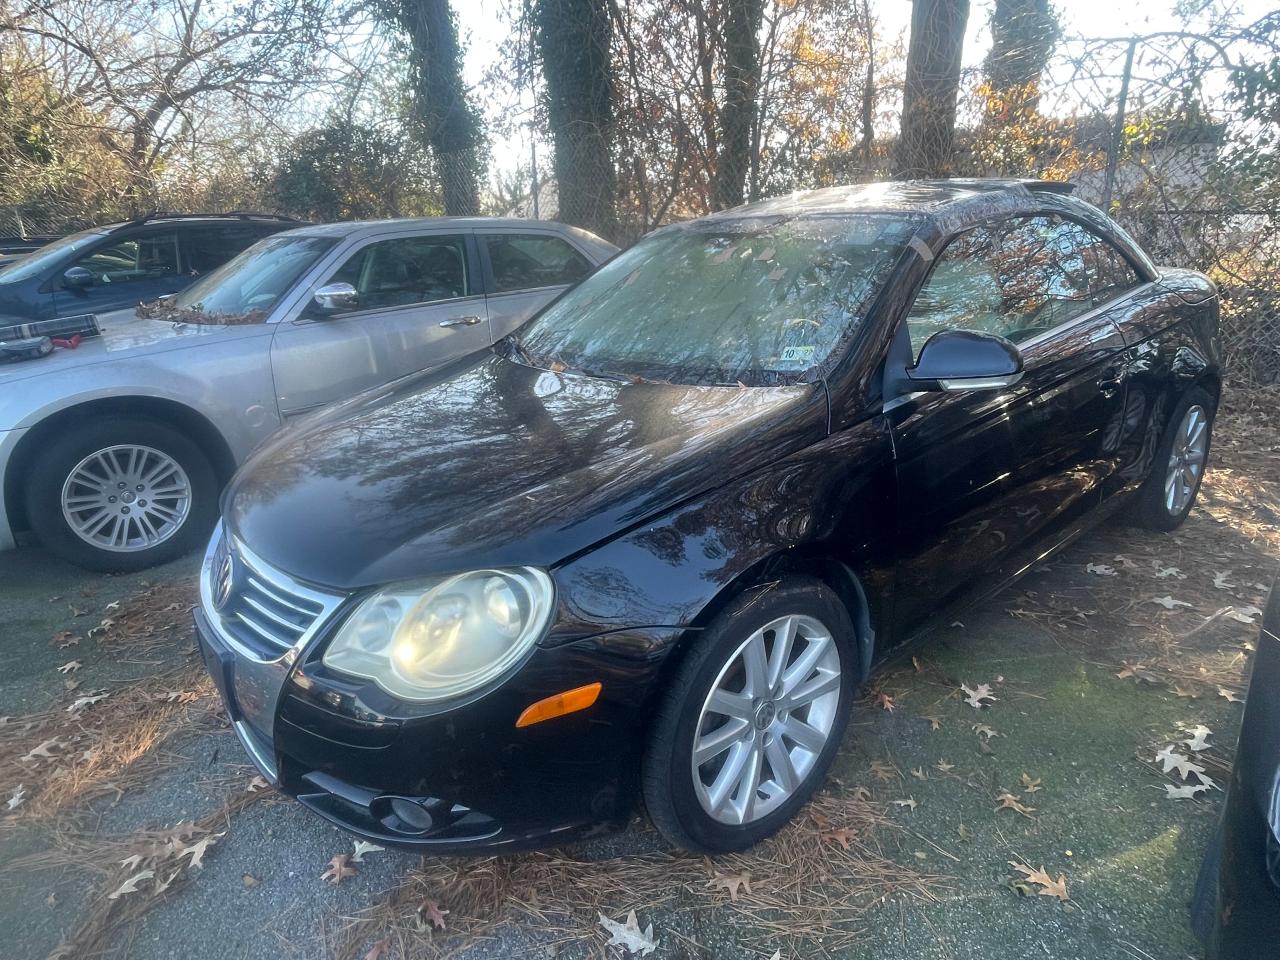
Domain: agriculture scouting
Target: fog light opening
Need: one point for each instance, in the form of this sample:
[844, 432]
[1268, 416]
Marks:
[405, 816]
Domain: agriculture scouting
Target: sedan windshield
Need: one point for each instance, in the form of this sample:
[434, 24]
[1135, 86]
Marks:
[756, 300]
[37, 260]
[251, 283]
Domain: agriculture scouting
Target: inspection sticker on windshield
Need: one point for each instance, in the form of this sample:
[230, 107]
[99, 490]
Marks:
[797, 354]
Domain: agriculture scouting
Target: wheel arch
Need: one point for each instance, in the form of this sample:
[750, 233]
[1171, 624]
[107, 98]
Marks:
[169, 412]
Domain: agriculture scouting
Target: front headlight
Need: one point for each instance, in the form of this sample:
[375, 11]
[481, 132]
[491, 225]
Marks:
[435, 639]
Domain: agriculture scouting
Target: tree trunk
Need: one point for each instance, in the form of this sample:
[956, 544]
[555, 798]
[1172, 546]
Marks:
[449, 124]
[738, 110]
[573, 39]
[932, 86]
[1023, 33]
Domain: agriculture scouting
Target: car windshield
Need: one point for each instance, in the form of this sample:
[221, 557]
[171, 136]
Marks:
[755, 300]
[35, 262]
[250, 284]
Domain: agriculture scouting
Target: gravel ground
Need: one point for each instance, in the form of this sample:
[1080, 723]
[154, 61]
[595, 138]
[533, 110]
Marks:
[1050, 650]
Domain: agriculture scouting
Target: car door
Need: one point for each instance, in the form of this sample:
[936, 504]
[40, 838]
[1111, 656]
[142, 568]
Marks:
[526, 270]
[986, 477]
[125, 271]
[418, 305]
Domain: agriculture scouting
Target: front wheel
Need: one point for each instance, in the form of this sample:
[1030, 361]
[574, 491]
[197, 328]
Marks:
[752, 719]
[121, 495]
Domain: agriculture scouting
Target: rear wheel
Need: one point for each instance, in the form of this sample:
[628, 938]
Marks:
[1170, 491]
[121, 495]
[752, 719]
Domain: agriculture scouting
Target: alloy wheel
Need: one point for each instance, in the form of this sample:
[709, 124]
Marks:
[1187, 456]
[126, 498]
[766, 720]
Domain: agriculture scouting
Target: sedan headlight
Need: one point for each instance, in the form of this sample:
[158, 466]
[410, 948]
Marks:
[435, 639]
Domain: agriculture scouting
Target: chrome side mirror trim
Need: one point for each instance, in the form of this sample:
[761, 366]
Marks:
[336, 298]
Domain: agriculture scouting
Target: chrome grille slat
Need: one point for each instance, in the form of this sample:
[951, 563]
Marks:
[275, 618]
[260, 630]
[293, 603]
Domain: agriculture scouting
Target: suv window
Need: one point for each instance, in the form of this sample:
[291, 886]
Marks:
[210, 247]
[1019, 278]
[524, 261]
[393, 273]
[139, 258]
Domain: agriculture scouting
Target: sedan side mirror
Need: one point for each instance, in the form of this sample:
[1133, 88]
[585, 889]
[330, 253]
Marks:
[335, 298]
[956, 360]
[77, 278]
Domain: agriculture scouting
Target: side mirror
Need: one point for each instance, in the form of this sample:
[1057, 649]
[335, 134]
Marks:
[957, 360]
[335, 298]
[77, 278]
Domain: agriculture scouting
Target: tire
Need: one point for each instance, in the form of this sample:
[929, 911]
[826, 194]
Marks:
[1153, 507]
[177, 523]
[1204, 901]
[680, 808]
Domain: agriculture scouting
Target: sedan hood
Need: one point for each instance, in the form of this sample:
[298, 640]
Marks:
[499, 464]
[125, 337]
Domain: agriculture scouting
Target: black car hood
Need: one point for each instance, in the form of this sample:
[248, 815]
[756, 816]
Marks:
[499, 464]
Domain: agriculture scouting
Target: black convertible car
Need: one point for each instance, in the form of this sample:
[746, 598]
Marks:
[649, 545]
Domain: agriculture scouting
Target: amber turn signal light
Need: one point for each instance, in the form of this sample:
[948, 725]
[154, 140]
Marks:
[571, 701]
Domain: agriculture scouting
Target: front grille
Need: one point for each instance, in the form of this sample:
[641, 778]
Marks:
[265, 611]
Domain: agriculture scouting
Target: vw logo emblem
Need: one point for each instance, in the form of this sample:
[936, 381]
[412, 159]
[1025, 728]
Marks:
[223, 578]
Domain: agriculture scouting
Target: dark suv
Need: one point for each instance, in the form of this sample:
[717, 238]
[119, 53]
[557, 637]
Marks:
[122, 264]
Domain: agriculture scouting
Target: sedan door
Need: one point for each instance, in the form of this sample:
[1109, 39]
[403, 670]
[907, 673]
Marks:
[527, 269]
[418, 305]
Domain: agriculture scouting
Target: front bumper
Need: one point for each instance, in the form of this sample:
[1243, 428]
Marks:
[462, 778]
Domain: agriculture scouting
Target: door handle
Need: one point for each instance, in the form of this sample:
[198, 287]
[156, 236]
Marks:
[468, 321]
[1108, 386]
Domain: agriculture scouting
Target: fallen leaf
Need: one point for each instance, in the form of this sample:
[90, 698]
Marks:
[1029, 785]
[1244, 614]
[1176, 761]
[1101, 569]
[944, 766]
[1228, 695]
[884, 702]
[975, 697]
[163, 885]
[909, 803]
[132, 862]
[964, 833]
[842, 835]
[884, 772]
[1163, 573]
[1168, 602]
[249, 880]
[381, 948]
[363, 847]
[1138, 671]
[198, 849]
[1007, 801]
[731, 883]
[1048, 886]
[256, 784]
[83, 702]
[339, 869]
[861, 793]
[64, 639]
[919, 773]
[131, 885]
[935, 723]
[557, 367]
[71, 666]
[1189, 692]
[1187, 792]
[1220, 579]
[1199, 738]
[629, 935]
[982, 730]
[18, 798]
[43, 750]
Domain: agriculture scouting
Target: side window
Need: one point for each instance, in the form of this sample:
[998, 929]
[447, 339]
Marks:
[524, 261]
[141, 258]
[393, 273]
[1019, 278]
[210, 247]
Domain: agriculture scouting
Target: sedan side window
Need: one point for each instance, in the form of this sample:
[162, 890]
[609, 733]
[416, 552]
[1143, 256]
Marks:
[525, 261]
[406, 270]
[141, 258]
[1019, 278]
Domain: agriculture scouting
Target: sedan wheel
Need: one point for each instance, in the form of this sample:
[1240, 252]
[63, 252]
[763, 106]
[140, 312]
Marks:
[1187, 456]
[766, 720]
[751, 720]
[126, 498]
